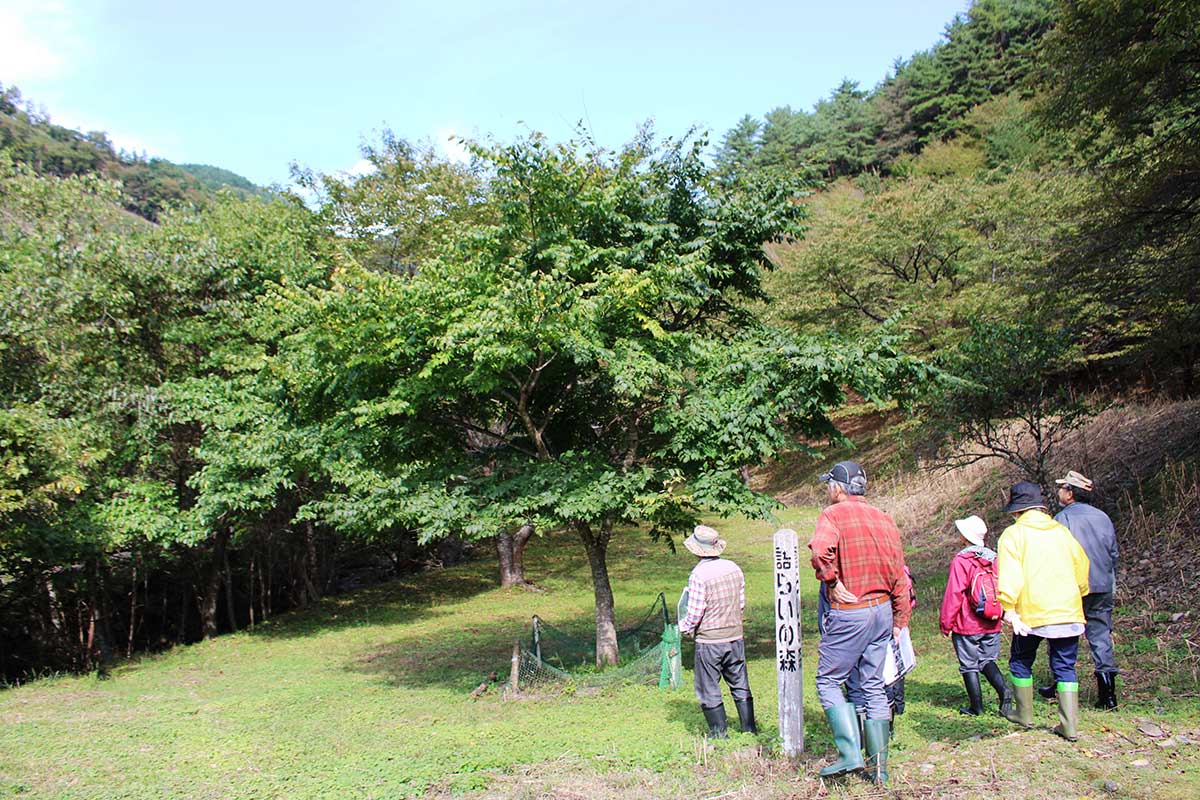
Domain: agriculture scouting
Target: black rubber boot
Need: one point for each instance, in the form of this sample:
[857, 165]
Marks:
[715, 717]
[745, 709]
[1106, 691]
[1049, 692]
[974, 694]
[1003, 691]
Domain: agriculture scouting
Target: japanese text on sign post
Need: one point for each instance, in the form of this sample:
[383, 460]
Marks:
[788, 664]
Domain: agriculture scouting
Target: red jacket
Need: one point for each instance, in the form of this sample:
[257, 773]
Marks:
[957, 615]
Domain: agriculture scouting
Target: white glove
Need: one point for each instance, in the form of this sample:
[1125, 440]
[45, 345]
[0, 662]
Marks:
[1019, 627]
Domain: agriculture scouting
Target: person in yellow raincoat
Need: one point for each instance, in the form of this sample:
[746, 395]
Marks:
[1042, 576]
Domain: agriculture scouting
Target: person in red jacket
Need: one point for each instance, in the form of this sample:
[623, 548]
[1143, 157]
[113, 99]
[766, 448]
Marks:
[976, 638]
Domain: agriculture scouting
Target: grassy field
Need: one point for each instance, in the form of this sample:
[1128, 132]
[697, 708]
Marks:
[369, 696]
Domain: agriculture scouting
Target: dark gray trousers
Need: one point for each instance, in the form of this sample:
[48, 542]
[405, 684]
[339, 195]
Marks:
[1097, 610]
[715, 661]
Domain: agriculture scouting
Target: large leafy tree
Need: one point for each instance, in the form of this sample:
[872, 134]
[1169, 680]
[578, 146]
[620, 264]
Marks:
[937, 252]
[1012, 401]
[129, 352]
[585, 361]
[1122, 79]
[397, 212]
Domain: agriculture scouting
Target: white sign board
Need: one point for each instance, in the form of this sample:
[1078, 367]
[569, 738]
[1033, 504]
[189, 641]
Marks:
[788, 666]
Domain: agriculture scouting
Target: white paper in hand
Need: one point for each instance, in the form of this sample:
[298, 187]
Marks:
[900, 659]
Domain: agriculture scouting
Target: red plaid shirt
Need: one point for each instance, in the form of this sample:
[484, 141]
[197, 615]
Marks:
[859, 545]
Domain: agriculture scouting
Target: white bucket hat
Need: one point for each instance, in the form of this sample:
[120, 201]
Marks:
[705, 542]
[973, 529]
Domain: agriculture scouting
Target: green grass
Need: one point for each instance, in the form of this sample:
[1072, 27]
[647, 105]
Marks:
[368, 695]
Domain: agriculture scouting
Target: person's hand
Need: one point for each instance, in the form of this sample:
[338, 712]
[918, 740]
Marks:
[1019, 627]
[896, 633]
[840, 594]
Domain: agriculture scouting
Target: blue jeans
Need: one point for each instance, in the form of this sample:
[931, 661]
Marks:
[1062, 657]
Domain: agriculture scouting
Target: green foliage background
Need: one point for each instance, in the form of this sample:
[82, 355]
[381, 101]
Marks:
[217, 403]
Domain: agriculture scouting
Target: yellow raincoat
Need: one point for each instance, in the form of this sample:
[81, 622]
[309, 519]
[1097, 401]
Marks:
[1042, 571]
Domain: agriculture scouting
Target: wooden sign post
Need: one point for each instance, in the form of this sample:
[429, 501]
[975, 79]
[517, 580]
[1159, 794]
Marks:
[788, 667]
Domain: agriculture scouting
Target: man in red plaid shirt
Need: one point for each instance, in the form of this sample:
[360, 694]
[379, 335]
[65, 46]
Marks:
[856, 553]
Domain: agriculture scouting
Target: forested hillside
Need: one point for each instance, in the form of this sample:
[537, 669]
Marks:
[224, 404]
[29, 137]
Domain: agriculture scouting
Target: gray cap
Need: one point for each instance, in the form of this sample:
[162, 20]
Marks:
[849, 474]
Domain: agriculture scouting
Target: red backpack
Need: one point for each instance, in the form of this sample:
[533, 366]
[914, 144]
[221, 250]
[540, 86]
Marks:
[983, 591]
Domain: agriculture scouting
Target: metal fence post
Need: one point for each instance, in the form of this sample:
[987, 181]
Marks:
[514, 679]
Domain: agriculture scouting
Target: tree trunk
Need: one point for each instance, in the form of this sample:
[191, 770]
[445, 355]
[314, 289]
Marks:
[228, 580]
[510, 549]
[181, 631]
[250, 594]
[504, 551]
[212, 585]
[133, 588]
[520, 539]
[311, 578]
[99, 633]
[596, 544]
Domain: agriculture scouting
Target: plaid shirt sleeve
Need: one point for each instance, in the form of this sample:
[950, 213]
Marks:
[695, 607]
[824, 549]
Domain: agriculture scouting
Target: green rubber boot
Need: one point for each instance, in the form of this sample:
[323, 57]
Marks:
[1023, 694]
[1068, 711]
[844, 723]
[878, 733]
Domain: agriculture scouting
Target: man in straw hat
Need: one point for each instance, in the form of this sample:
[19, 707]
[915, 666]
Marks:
[1095, 533]
[856, 553]
[966, 619]
[716, 597]
[1043, 574]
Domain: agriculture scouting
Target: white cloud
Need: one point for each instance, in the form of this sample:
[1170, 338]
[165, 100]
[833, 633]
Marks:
[449, 142]
[359, 168]
[38, 40]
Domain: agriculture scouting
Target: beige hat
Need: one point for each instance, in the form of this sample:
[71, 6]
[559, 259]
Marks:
[705, 542]
[1077, 481]
[973, 529]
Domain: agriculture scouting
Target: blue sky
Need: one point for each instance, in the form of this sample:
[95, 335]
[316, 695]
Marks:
[252, 86]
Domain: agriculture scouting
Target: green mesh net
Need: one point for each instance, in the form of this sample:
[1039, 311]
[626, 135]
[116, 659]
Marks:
[649, 652]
